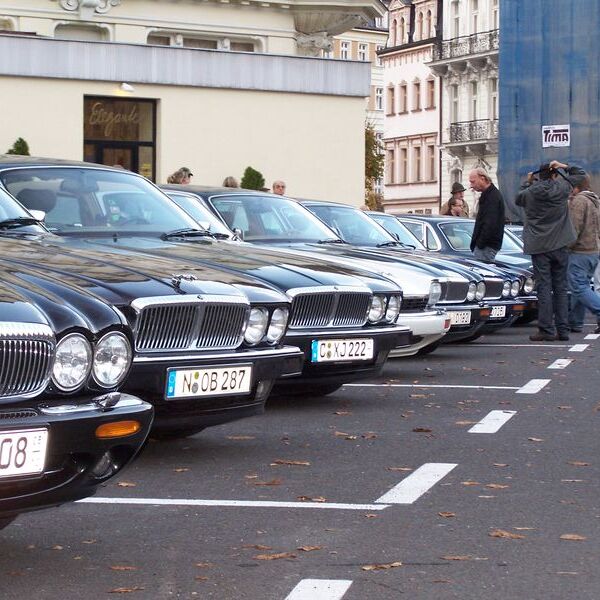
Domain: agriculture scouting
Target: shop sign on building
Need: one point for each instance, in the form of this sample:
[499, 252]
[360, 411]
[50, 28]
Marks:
[556, 136]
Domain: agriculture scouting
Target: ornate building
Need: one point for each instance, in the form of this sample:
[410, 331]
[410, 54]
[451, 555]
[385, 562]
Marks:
[411, 98]
[466, 59]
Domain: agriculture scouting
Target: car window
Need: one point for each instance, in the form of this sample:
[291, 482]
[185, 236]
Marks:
[80, 199]
[393, 226]
[430, 239]
[352, 224]
[11, 209]
[415, 228]
[265, 218]
[459, 236]
[200, 213]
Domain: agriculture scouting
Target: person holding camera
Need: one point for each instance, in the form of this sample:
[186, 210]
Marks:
[547, 235]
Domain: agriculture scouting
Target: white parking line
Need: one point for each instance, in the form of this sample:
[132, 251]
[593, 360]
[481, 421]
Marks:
[561, 363]
[476, 345]
[433, 385]
[592, 336]
[533, 386]
[492, 422]
[578, 347]
[230, 503]
[320, 589]
[411, 488]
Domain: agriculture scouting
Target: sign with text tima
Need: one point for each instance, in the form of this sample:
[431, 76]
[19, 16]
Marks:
[556, 136]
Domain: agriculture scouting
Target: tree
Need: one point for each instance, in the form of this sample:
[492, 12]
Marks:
[374, 165]
[20, 147]
[252, 179]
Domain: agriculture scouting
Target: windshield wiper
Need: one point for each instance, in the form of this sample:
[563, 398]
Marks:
[18, 222]
[389, 244]
[187, 232]
[332, 241]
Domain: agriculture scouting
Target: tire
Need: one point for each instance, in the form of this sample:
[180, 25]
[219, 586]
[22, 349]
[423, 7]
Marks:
[6, 521]
[428, 349]
[323, 389]
[175, 434]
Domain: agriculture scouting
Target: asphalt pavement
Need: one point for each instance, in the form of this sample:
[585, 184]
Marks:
[470, 473]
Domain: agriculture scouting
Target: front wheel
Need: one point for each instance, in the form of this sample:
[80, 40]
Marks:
[6, 521]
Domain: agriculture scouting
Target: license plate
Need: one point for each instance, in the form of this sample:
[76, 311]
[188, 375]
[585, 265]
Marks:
[341, 350]
[23, 452]
[217, 381]
[498, 311]
[460, 318]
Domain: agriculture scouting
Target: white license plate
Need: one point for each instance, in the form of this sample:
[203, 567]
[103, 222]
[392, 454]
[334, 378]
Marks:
[497, 312]
[217, 381]
[23, 452]
[341, 350]
[460, 317]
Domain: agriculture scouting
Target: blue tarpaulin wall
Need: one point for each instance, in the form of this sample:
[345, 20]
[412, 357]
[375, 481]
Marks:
[549, 75]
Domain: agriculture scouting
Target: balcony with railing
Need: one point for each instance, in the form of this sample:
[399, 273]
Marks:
[466, 137]
[477, 44]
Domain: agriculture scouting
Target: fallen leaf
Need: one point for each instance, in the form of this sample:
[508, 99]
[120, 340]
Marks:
[206, 565]
[250, 476]
[371, 516]
[567, 573]
[123, 568]
[126, 484]
[277, 556]
[379, 567]
[501, 533]
[534, 439]
[241, 437]
[417, 396]
[457, 557]
[497, 486]
[257, 547]
[565, 407]
[342, 413]
[297, 463]
[447, 515]
[470, 483]
[500, 465]
[309, 499]
[369, 435]
[89, 541]
[271, 482]
[309, 548]
[465, 422]
[422, 430]
[399, 468]
[573, 537]
[340, 434]
[524, 528]
[57, 547]
[126, 590]
[201, 578]
[181, 469]
[578, 463]
[572, 480]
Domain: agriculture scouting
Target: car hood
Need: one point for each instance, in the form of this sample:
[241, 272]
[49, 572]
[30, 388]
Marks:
[282, 271]
[16, 300]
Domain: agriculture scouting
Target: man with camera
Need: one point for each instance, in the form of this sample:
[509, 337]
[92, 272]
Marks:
[547, 235]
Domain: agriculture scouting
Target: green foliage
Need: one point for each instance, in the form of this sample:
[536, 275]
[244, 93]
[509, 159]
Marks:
[252, 179]
[374, 201]
[374, 160]
[20, 147]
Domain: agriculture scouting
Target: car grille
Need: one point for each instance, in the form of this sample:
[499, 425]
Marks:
[417, 304]
[187, 325]
[493, 289]
[456, 291]
[336, 308]
[26, 357]
[17, 414]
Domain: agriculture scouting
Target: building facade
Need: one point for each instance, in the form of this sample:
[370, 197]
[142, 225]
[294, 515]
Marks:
[154, 85]
[466, 59]
[411, 99]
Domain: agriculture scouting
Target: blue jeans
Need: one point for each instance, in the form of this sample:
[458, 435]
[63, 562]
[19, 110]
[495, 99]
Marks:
[484, 254]
[581, 270]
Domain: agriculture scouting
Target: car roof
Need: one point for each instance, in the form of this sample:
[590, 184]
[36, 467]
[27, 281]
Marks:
[15, 160]
[207, 190]
[435, 218]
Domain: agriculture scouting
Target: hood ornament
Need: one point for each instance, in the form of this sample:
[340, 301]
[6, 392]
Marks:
[177, 278]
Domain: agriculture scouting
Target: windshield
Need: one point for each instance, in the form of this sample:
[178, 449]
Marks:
[202, 215]
[352, 225]
[268, 219]
[393, 226]
[459, 237]
[10, 214]
[80, 199]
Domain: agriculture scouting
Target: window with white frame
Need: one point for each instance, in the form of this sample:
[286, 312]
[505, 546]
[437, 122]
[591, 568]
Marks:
[416, 95]
[431, 162]
[403, 98]
[393, 33]
[493, 98]
[420, 26]
[403, 165]
[379, 61]
[363, 53]
[453, 103]
[389, 163]
[378, 98]
[429, 25]
[345, 50]
[431, 93]
[474, 16]
[401, 31]
[455, 18]
[417, 172]
[474, 100]
[495, 15]
[390, 105]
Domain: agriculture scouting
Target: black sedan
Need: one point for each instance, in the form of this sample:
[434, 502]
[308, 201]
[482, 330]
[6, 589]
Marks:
[64, 427]
[342, 319]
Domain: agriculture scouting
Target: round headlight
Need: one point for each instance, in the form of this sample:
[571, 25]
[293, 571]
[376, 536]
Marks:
[257, 326]
[480, 292]
[471, 292]
[377, 310]
[506, 289]
[276, 329]
[72, 362]
[435, 293]
[393, 309]
[529, 285]
[514, 288]
[112, 359]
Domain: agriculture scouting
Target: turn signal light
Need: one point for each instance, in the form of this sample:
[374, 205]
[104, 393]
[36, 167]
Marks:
[518, 307]
[485, 312]
[117, 429]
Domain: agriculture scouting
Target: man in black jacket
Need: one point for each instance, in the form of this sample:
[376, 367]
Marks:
[547, 234]
[489, 224]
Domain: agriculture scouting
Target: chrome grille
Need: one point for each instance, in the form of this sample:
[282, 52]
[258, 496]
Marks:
[415, 304]
[188, 323]
[26, 355]
[456, 291]
[17, 414]
[329, 307]
[493, 289]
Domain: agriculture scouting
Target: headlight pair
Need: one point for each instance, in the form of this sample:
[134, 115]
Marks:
[515, 286]
[260, 326]
[476, 291]
[384, 308]
[75, 358]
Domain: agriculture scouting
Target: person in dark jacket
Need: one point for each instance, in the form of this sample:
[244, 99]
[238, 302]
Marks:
[489, 224]
[547, 234]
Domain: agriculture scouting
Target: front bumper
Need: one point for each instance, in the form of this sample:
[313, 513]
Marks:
[503, 313]
[148, 379]
[384, 340]
[427, 328]
[478, 314]
[77, 462]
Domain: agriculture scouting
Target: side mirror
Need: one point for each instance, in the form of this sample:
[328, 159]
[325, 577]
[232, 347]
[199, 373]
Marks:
[238, 232]
[40, 215]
